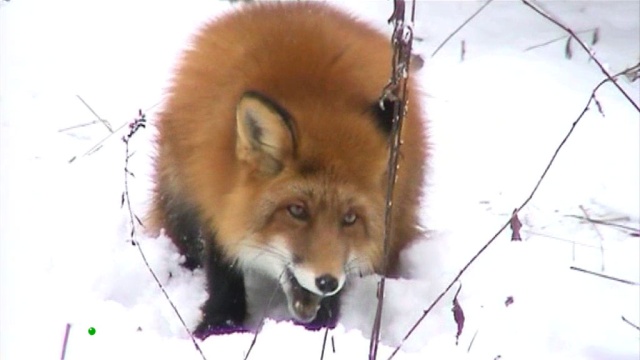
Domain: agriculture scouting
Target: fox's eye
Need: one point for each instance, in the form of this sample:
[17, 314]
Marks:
[349, 219]
[298, 211]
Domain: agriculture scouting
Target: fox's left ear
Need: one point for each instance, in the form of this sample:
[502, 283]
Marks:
[265, 133]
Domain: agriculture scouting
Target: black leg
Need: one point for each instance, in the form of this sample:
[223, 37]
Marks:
[226, 308]
[184, 228]
[328, 314]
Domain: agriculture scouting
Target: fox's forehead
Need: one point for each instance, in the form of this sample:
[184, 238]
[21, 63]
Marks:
[324, 188]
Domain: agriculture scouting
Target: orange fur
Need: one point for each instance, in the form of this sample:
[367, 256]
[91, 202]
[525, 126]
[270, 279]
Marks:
[326, 70]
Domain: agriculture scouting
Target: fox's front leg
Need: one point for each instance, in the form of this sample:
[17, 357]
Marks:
[226, 307]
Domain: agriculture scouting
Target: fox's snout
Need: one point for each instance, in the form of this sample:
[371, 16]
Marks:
[319, 283]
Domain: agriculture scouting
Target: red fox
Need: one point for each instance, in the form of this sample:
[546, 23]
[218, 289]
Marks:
[272, 157]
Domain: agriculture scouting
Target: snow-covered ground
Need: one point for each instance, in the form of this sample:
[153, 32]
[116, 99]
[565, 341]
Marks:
[495, 120]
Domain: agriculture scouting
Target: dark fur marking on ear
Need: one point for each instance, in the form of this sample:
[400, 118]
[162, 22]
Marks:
[284, 114]
[256, 131]
[383, 115]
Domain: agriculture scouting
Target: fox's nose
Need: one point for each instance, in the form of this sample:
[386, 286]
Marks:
[327, 283]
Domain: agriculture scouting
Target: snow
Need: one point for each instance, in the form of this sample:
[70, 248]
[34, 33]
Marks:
[495, 120]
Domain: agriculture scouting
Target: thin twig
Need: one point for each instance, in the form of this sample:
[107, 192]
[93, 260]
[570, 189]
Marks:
[508, 222]
[473, 339]
[605, 222]
[599, 236]
[630, 323]
[65, 341]
[78, 126]
[98, 145]
[397, 91]
[586, 48]
[103, 121]
[460, 27]
[138, 124]
[556, 40]
[324, 343]
[609, 277]
[560, 239]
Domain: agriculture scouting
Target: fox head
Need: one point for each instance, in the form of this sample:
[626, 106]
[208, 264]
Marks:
[308, 206]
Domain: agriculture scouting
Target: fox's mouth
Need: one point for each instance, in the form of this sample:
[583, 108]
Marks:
[303, 304]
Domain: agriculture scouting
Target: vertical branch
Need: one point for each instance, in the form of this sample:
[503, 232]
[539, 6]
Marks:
[397, 92]
[137, 124]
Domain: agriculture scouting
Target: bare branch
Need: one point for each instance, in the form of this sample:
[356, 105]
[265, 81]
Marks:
[605, 222]
[103, 121]
[586, 49]
[140, 123]
[508, 222]
[324, 343]
[609, 277]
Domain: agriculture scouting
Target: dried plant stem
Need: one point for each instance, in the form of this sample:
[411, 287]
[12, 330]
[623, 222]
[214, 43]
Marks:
[65, 341]
[560, 38]
[605, 222]
[324, 343]
[103, 121]
[396, 91]
[630, 323]
[585, 47]
[139, 123]
[592, 98]
[609, 277]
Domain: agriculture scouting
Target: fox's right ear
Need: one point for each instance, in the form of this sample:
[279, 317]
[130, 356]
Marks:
[265, 133]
